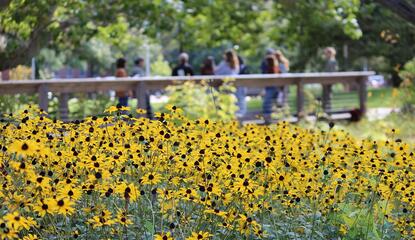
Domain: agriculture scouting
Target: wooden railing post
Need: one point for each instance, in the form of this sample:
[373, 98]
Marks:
[362, 94]
[63, 106]
[140, 94]
[326, 98]
[300, 99]
[43, 97]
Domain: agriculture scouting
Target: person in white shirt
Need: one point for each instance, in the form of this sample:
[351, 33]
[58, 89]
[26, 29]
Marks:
[230, 67]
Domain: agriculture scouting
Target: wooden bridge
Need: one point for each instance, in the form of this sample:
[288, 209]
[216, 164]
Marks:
[144, 84]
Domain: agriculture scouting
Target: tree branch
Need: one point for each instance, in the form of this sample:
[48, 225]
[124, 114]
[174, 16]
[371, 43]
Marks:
[39, 37]
[402, 8]
[4, 4]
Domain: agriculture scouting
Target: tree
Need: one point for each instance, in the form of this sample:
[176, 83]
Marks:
[30, 25]
[66, 24]
[403, 8]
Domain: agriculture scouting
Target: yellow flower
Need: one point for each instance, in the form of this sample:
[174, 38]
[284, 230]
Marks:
[129, 192]
[123, 219]
[18, 222]
[43, 207]
[199, 235]
[151, 178]
[125, 108]
[24, 147]
[163, 236]
[6, 232]
[99, 221]
[63, 206]
[141, 111]
[343, 229]
[111, 109]
[31, 237]
[70, 192]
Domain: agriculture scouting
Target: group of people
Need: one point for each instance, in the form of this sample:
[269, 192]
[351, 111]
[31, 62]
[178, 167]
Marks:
[274, 63]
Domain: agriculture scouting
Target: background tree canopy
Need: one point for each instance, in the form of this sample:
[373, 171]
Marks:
[90, 34]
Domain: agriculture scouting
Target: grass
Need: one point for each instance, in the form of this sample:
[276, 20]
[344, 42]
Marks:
[377, 98]
[403, 124]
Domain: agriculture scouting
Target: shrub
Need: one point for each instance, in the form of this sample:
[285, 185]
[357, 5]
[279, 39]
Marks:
[407, 93]
[202, 100]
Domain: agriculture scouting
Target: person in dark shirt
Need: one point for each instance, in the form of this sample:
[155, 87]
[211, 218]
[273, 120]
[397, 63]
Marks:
[243, 68]
[208, 67]
[184, 68]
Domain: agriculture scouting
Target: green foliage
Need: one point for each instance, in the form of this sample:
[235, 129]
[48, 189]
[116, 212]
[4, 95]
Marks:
[81, 106]
[380, 129]
[204, 101]
[408, 71]
[407, 89]
[160, 67]
[82, 29]
[11, 104]
[188, 25]
[387, 41]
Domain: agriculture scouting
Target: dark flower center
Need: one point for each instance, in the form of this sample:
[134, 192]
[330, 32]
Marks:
[25, 146]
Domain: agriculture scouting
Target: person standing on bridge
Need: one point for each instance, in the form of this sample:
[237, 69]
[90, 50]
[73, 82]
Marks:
[121, 73]
[184, 68]
[284, 66]
[331, 62]
[230, 67]
[271, 93]
[264, 67]
[208, 66]
[330, 66]
[138, 69]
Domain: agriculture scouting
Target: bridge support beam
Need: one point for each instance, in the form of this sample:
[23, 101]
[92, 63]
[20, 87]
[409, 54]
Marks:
[300, 99]
[141, 95]
[43, 97]
[63, 106]
[363, 94]
[326, 98]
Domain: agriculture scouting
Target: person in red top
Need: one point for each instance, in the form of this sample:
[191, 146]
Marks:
[271, 92]
[272, 64]
[208, 67]
[120, 73]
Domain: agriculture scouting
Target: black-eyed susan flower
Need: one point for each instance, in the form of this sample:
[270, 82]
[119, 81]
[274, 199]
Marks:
[163, 236]
[18, 222]
[24, 147]
[199, 236]
[63, 206]
[44, 206]
[151, 178]
[123, 218]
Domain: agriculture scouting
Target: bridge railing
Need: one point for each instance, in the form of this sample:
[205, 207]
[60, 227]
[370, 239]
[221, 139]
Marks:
[143, 84]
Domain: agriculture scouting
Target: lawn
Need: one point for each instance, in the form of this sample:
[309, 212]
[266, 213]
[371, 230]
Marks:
[377, 98]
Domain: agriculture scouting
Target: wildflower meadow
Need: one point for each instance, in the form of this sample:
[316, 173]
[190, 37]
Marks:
[122, 177]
